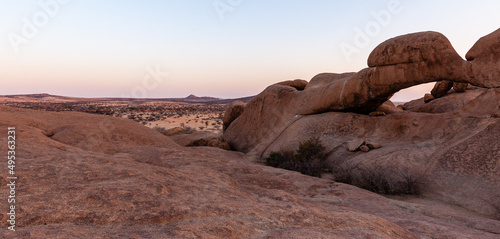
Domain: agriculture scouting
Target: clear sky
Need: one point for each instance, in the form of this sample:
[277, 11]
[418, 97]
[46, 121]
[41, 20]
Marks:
[221, 48]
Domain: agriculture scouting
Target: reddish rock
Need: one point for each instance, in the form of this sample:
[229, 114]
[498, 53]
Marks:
[418, 138]
[364, 148]
[388, 108]
[373, 145]
[395, 64]
[201, 138]
[401, 107]
[428, 98]
[376, 113]
[353, 145]
[452, 102]
[431, 47]
[483, 60]
[233, 111]
[173, 131]
[441, 88]
[460, 87]
[157, 189]
[297, 84]
[333, 107]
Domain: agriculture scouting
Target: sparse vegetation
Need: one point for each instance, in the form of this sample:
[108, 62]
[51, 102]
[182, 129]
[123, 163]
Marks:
[309, 159]
[390, 180]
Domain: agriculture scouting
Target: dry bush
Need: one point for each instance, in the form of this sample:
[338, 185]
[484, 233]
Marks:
[375, 179]
[309, 158]
[344, 171]
[390, 180]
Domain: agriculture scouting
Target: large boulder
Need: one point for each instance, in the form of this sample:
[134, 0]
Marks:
[263, 117]
[233, 111]
[441, 88]
[451, 102]
[428, 98]
[201, 138]
[388, 108]
[297, 84]
[460, 87]
[431, 47]
[483, 61]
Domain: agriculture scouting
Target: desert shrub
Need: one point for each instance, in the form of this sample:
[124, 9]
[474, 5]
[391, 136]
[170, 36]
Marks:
[389, 180]
[345, 172]
[284, 160]
[409, 182]
[374, 179]
[309, 158]
[311, 148]
[172, 132]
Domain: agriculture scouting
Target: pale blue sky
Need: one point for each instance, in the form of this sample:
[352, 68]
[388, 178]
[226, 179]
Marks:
[102, 48]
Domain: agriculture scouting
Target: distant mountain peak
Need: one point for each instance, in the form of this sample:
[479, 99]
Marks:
[202, 98]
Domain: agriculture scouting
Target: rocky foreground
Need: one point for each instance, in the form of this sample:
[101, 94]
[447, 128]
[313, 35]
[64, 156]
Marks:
[89, 176]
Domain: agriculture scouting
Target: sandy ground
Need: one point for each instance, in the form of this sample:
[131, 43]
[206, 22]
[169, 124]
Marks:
[207, 122]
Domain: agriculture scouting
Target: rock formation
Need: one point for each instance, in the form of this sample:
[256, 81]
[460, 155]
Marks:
[428, 98]
[333, 107]
[483, 60]
[441, 88]
[233, 111]
[395, 64]
[460, 87]
[388, 108]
